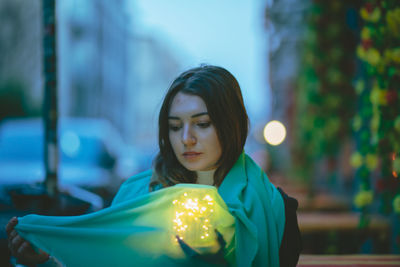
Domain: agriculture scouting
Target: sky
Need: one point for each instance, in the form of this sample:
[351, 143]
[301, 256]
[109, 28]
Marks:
[229, 33]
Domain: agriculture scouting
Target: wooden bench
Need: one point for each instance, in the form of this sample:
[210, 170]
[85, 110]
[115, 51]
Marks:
[339, 221]
[339, 233]
[349, 260]
[320, 201]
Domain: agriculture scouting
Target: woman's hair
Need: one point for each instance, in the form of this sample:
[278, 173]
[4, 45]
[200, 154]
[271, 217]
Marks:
[221, 93]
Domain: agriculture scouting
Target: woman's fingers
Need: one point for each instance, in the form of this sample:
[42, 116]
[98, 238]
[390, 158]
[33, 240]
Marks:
[23, 248]
[213, 258]
[20, 248]
[13, 241]
[220, 239]
[16, 243]
[28, 256]
[186, 248]
[193, 253]
[11, 236]
[11, 224]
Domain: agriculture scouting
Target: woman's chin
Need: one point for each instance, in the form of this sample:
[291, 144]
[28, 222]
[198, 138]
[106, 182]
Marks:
[192, 166]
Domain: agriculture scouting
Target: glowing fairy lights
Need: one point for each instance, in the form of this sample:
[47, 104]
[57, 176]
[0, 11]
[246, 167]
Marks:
[192, 220]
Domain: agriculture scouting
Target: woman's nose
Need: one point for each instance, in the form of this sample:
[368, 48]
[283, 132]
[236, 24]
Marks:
[188, 137]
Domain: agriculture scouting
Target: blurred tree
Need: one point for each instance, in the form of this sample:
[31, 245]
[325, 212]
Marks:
[377, 121]
[12, 100]
[325, 96]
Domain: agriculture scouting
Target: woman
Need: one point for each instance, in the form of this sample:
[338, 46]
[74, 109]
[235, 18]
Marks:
[203, 127]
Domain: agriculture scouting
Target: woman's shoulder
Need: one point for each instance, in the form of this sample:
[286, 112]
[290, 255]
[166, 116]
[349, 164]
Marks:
[133, 187]
[145, 175]
[258, 181]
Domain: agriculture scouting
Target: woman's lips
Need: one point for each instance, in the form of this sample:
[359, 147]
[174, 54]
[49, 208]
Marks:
[191, 155]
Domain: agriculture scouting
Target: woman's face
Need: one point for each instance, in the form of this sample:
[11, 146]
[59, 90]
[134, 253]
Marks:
[192, 135]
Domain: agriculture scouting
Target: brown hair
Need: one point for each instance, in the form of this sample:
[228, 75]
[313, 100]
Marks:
[221, 93]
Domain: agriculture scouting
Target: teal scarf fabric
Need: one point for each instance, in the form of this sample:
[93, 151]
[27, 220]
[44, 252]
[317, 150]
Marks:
[138, 228]
[259, 211]
[138, 232]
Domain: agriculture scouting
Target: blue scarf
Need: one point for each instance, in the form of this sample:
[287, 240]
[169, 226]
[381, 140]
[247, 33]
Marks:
[138, 229]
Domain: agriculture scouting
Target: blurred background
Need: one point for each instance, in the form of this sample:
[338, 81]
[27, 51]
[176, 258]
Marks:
[81, 84]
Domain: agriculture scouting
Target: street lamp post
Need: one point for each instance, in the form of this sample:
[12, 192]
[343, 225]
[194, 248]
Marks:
[50, 111]
[51, 199]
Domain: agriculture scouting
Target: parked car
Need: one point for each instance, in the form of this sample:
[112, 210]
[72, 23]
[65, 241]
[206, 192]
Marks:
[93, 163]
[92, 154]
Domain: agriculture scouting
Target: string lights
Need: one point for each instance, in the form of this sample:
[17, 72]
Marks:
[192, 219]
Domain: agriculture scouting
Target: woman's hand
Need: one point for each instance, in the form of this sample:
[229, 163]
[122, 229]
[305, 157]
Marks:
[216, 258]
[21, 249]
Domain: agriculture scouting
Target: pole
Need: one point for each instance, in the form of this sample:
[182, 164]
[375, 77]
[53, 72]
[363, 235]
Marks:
[50, 112]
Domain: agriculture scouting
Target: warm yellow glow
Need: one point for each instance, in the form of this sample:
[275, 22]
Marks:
[191, 220]
[274, 133]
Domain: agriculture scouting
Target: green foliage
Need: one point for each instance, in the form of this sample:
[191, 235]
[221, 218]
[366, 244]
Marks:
[14, 101]
[325, 96]
[378, 89]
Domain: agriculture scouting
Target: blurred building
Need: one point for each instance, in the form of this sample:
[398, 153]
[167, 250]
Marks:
[106, 67]
[108, 70]
[285, 21]
[20, 57]
[152, 69]
[92, 53]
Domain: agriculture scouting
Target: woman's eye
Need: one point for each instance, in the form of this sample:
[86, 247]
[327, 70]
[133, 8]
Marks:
[203, 124]
[174, 127]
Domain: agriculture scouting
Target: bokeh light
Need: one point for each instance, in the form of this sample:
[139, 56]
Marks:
[274, 132]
